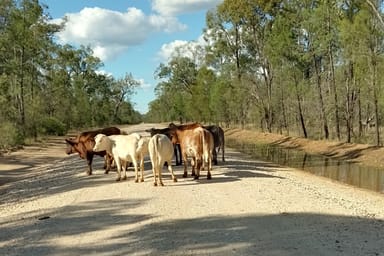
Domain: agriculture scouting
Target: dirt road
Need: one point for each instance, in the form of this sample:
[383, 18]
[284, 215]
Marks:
[248, 208]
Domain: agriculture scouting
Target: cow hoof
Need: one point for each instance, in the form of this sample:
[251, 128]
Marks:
[161, 184]
[184, 175]
[136, 181]
[118, 179]
[142, 180]
[196, 177]
[155, 184]
[209, 177]
[174, 180]
[193, 174]
[89, 173]
[124, 178]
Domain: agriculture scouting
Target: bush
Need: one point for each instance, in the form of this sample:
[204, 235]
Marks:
[52, 126]
[10, 136]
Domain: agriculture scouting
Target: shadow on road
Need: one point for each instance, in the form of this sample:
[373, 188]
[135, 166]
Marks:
[283, 234]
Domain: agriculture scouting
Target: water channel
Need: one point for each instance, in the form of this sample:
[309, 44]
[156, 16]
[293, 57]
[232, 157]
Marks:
[343, 171]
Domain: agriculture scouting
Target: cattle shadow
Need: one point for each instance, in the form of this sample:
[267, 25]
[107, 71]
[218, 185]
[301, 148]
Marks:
[282, 234]
[64, 175]
[236, 167]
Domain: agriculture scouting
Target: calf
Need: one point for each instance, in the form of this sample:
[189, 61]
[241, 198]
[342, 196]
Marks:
[83, 145]
[160, 150]
[124, 149]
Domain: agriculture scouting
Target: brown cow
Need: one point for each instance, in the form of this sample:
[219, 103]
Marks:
[195, 142]
[84, 143]
[218, 138]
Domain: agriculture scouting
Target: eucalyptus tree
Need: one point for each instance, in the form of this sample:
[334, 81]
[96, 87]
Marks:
[352, 68]
[372, 47]
[26, 44]
[226, 52]
[238, 31]
[324, 24]
[178, 78]
[122, 89]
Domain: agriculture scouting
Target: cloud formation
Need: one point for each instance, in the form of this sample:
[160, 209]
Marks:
[190, 49]
[111, 32]
[177, 7]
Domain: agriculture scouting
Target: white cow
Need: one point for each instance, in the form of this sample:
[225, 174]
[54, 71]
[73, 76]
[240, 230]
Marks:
[124, 148]
[160, 150]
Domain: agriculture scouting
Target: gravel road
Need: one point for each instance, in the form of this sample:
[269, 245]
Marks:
[248, 208]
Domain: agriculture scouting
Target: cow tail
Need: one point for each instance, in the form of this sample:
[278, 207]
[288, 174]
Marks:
[203, 151]
[156, 156]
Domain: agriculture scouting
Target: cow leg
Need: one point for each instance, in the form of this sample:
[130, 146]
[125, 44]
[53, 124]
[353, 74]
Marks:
[108, 159]
[198, 163]
[193, 163]
[154, 175]
[160, 167]
[135, 165]
[142, 168]
[124, 166]
[214, 152]
[118, 167]
[209, 169]
[185, 166]
[178, 154]
[89, 161]
[170, 169]
[222, 153]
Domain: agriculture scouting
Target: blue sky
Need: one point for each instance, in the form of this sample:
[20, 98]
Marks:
[132, 36]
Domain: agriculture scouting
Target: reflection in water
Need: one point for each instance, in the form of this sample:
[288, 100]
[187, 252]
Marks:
[343, 171]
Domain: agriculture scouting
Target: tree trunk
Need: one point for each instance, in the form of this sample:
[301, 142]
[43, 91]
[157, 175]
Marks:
[301, 115]
[321, 101]
[350, 99]
[332, 78]
[335, 97]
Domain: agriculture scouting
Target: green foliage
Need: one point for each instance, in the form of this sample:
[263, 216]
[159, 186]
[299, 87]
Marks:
[9, 135]
[52, 126]
[49, 88]
[314, 68]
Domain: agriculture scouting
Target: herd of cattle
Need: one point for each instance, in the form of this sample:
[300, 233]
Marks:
[191, 141]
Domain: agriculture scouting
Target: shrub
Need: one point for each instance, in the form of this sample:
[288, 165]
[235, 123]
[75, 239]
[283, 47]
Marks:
[52, 126]
[10, 136]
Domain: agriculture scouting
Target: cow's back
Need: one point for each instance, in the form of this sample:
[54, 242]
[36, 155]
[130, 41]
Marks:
[160, 146]
[125, 145]
[88, 137]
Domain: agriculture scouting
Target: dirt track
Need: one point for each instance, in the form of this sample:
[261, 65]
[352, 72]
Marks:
[248, 208]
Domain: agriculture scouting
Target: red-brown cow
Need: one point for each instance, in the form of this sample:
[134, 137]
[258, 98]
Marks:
[84, 143]
[197, 143]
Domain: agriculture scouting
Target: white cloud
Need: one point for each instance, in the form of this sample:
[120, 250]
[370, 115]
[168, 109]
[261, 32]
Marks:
[176, 7]
[190, 49]
[143, 84]
[111, 32]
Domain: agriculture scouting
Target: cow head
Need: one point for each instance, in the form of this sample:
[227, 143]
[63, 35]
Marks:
[99, 142]
[70, 146]
[73, 146]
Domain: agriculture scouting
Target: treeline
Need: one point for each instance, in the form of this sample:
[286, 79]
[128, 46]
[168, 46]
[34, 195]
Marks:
[313, 68]
[49, 88]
